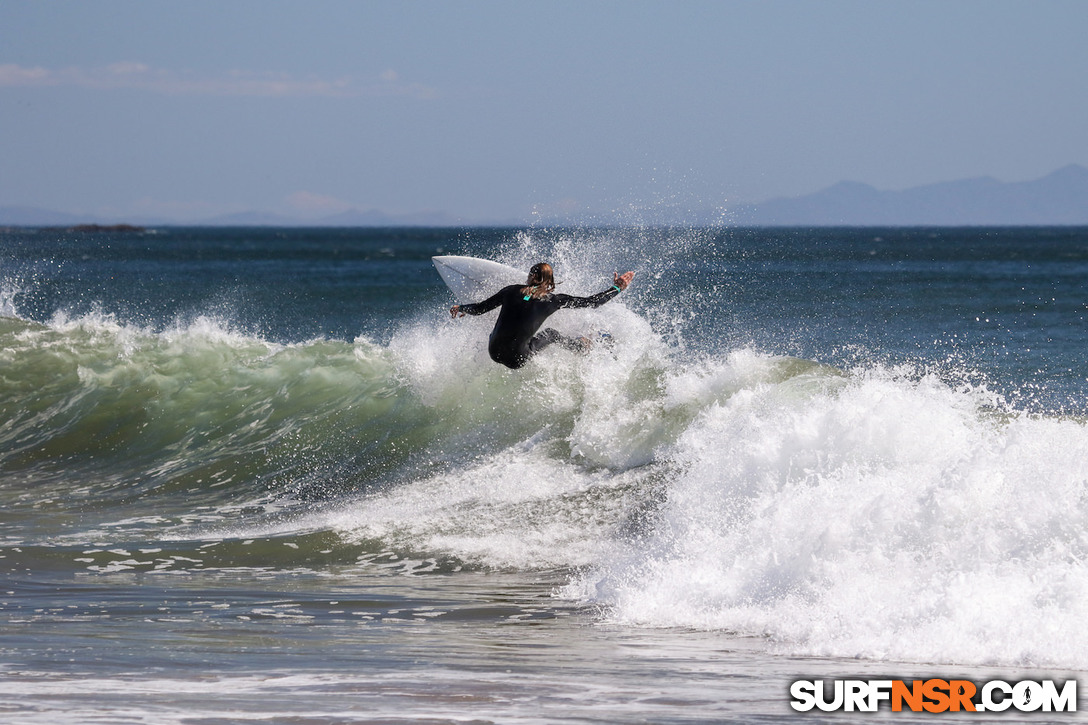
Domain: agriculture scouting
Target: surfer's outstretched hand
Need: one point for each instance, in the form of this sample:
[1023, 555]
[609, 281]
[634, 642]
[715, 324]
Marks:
[622, 280]
[455, 312]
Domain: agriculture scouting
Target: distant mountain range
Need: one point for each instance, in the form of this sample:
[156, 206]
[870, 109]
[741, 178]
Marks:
[1060, 198]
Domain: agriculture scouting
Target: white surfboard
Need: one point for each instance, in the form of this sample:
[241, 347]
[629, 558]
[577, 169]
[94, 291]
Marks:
[472, 279]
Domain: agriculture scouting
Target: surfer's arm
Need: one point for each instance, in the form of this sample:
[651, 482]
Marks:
[478, 308]
[621, 281]
[592, 301]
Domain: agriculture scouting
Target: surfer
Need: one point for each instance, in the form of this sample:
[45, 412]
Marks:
[523, 309]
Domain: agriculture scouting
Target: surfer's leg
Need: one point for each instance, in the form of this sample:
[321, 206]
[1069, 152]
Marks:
[544, 338]
[549, 335]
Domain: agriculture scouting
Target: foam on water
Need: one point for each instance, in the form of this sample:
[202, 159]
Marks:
[880, 517]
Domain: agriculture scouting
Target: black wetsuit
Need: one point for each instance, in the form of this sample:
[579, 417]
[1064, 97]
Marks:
[514, 339]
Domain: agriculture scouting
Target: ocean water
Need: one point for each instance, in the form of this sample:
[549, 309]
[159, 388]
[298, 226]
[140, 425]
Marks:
[259, 475]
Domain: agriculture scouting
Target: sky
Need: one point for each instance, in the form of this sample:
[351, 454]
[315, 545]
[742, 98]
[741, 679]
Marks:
[510, 111]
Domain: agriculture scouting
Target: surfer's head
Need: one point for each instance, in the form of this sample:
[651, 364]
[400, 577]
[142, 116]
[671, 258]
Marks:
[541, 280]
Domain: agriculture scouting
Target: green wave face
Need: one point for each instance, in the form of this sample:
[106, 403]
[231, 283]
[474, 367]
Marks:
[131, 414]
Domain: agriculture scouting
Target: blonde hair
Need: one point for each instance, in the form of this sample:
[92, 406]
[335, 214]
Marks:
[541, 281]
